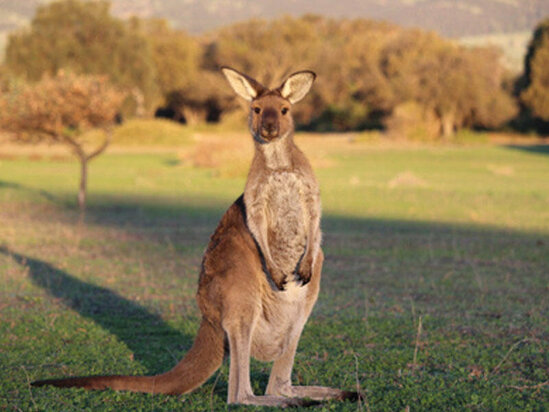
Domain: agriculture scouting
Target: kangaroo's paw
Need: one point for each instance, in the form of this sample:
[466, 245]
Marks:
[305, 270]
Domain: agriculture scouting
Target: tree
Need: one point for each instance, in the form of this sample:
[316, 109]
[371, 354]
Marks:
[536, 93]
[191, 93]
[60, 109]
[369, 71]
[82, 36]
[461, 87]
[176, 55]
[351, 92]
[271, 50]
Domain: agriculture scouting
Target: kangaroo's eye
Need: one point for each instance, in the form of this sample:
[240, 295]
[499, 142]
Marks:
[257, 110]
[284, 110]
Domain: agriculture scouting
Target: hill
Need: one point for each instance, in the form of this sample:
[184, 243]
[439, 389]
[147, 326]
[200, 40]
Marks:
[449, 18]
[504, 23]
[514, 46]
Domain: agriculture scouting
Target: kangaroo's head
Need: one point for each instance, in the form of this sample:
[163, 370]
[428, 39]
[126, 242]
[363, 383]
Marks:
[270, 109]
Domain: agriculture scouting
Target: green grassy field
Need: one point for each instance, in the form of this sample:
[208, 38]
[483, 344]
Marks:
[454, 237]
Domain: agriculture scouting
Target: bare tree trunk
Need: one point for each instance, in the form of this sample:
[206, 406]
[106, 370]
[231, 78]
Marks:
[83, 184]
[447, 125]
[193, 116]
[139, 98]
[84, 159]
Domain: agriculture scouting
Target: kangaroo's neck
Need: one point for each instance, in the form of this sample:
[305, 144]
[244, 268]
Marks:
[276, 155]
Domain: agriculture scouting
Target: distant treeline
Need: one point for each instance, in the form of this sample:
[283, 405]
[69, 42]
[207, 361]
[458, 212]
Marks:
[370, 74]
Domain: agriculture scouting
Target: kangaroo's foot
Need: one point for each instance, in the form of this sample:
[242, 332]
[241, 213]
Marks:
[272, 400]
[317, 393]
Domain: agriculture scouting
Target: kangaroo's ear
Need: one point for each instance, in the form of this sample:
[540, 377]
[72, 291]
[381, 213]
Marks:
[297, 85]
[243, 85]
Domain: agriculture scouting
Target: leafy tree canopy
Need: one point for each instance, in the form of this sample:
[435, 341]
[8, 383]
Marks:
[536, 93]
[84, 38]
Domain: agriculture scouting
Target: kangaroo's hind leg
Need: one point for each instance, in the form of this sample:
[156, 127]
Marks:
[280, 383]
[239, 332]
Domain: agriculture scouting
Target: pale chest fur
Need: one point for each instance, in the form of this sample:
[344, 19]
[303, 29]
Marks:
[287, 219]
[282, 202]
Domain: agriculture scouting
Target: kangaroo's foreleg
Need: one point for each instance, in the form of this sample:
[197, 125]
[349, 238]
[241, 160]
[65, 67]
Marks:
[312, 248]
[257, 223]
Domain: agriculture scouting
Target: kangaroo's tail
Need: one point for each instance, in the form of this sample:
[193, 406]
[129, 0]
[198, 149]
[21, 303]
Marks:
[202, 360]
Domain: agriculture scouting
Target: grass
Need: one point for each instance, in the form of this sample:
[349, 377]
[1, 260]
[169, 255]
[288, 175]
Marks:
[434, 295]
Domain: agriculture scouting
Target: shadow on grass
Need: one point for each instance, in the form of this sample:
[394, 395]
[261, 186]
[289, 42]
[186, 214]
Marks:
[438, 265]
[397, 260]
[144, 333]
[141, 212]
[168, 217]
[46, 195]
[542, 149]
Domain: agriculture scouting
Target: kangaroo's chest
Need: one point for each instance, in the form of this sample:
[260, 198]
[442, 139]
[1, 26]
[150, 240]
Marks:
[287, 218]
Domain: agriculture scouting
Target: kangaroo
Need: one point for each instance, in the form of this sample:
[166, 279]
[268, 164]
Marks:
[261, 271]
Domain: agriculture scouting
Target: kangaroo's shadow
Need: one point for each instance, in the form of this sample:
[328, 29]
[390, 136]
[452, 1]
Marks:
[146, 334]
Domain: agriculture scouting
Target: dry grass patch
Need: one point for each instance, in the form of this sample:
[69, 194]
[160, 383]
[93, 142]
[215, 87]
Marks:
[501, 170]
[406, 179]
[230, 154]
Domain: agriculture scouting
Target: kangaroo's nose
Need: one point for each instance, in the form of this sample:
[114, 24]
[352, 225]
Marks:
[270, 127]
[269, 130]
[269, 124]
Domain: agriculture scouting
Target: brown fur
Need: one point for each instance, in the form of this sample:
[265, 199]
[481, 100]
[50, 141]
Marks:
[261, 271]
